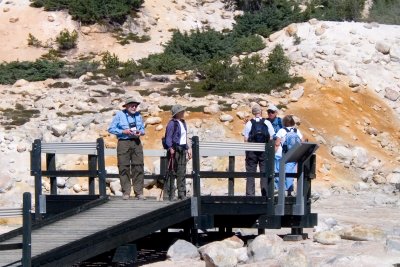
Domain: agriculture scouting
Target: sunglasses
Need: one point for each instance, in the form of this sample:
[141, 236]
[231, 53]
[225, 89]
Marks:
[132, 105]
[270, 111]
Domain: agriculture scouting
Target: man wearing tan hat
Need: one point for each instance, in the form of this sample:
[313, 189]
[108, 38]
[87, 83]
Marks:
[257, 130]
[128, 126]
[178, 153]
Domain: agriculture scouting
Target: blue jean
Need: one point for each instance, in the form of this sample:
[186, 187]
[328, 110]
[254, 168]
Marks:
[290, 167]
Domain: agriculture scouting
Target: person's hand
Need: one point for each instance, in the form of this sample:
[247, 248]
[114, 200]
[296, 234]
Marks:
[127, 132]
[189, 154]
[137, 133]
[171, 151]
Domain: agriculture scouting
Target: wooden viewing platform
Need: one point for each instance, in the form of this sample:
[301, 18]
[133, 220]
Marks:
[70, 229]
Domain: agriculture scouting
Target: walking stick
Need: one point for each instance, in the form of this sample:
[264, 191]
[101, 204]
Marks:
[167, 177]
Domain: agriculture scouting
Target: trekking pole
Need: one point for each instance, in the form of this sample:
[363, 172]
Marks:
[166, 177]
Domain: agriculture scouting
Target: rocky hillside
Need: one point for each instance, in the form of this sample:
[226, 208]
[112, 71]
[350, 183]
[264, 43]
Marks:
[349, 104]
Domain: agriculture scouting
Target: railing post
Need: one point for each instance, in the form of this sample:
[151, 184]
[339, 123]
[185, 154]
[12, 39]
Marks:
[92, 165]
[27, 230]
[196, 199]
[231, 180]
[101, 167]
[36, 171]
[196, 166]
[270, 175]
[51, 166]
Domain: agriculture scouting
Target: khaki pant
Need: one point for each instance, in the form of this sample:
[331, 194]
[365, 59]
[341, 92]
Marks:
[178, 173]
[131, 166]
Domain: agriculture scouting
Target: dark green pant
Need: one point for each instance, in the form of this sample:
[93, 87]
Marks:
[177, 173]
[131, 166]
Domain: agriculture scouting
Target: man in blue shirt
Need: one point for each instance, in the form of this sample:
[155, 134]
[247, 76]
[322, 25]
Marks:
[128, 126]
[274, 119]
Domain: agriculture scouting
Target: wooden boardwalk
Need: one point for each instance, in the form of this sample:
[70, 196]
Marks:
[97, 230]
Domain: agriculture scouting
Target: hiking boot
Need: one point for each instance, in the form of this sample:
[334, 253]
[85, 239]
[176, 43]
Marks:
[140, 197]
[125, 197]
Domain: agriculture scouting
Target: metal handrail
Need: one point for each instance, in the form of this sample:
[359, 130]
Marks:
[10, 212]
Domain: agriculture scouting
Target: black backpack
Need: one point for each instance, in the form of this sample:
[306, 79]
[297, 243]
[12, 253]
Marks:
[259, 131]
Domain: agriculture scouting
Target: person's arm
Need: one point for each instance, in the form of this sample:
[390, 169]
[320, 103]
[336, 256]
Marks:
[277, 143]
[271, 130]
[139, 125]
[246, 130]
[115, 126]
[169, 132]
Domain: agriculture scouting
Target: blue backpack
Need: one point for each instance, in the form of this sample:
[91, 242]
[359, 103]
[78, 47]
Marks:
[259, 131]
[292, 138]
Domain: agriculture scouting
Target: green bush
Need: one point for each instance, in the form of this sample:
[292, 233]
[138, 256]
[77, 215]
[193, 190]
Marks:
[33, 41]
[165, 63]
[31, 71]
[385, 12]
[278, 63]
[77, 69]
[270, 18]
[336, 10]
[251, 74]
[110, 61]
[92, 11]
[67, 40]
[17, 116]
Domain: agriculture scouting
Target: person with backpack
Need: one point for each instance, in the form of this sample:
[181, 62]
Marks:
[256, 130]
[286, 139]
[276, 121]
[128, 126]
[178, 153]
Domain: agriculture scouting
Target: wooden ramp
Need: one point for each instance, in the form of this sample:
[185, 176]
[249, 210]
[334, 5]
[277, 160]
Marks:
[97, 230]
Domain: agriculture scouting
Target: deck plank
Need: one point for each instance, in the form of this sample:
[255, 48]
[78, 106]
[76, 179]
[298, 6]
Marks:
[59, 233]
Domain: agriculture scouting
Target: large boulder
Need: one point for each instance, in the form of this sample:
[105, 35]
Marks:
[265, 247]
[342, 153]
[182, 250]
[327, 238]
[362, 233]
[296, 258]
[218, 254]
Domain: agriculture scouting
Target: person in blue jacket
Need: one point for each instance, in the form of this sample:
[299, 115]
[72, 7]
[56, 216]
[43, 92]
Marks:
[128, 126]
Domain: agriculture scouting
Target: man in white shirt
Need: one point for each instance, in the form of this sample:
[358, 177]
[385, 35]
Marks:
[253, 132]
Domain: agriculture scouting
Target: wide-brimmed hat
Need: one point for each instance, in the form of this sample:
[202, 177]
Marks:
[272, 107]
[176, 109]
[130, 99]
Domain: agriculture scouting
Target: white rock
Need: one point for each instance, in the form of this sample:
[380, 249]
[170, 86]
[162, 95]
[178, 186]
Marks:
[60, 182]
[265, 247]
[393, 243]
[20, 83]
[153, 120]
[225, 117]
[297, 94]
[362, 233]
[182, 250]
[159, 127]
[59, 129]
[21, 147]
[382, 47]
[342, 67]
[212, 109]
[218, 254]
[342, 153]
[393, 178]
[296, 258]
[77, 188]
